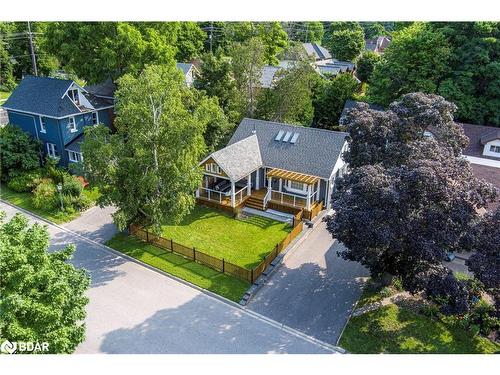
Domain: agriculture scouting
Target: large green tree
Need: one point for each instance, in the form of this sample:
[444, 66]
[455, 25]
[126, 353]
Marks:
[346, 45]
[42, 296]
[149, 169]
[330, 100]
[7, 82]
[473, 83]
[306, 32]
[248, 59]
[366, 64]
[290, 99]
[275, 40]
[216, 79]
[416, 60]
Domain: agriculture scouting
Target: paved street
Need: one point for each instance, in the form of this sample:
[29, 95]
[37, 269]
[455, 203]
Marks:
[133, 309]
[314, 290]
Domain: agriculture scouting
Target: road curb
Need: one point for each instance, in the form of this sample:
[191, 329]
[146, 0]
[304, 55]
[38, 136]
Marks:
[282, 327]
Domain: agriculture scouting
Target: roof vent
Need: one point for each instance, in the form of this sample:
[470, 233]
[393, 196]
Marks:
[280, 134]
[287, 136]
[294, 138]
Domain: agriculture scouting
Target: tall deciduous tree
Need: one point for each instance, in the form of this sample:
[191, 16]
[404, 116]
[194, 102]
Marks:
[366, 64]
[331, 98]
[149, 168]
[409, 199]
[346, 44]
[7, 81]
[416, 60]
[216, 79]
[290, 100]
[484, 263]
[42, 296]
[275, 40]
[248, 59]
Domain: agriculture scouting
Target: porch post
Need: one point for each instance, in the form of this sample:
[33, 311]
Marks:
[269, 181]
[308, 203]
[249, 184]
[233, 200]
[257, 179]
[317, 190]
[281, 185]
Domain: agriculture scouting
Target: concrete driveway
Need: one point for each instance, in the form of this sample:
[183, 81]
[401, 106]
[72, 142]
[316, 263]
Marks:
[313, 290]
[134, 309]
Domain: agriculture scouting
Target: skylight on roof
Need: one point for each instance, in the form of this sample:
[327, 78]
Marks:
[287, 136]
[280, 134]
[294, 138]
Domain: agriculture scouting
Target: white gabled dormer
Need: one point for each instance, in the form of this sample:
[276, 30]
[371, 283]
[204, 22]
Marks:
[75, 93]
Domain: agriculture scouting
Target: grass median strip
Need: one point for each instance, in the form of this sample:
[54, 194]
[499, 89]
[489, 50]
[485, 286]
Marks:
[225, 285]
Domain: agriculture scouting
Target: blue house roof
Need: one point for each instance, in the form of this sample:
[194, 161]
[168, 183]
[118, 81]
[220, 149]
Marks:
[45, 96]
[185, 67]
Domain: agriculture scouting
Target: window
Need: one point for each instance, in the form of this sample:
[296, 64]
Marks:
[296, 185]
[494, 148]
[52, 150]
[73, 94]
[95, 120]
[43, 125]
[212, 167]
[72, 125]
[74, 157]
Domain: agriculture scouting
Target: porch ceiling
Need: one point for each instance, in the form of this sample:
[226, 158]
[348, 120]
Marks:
[294, 176]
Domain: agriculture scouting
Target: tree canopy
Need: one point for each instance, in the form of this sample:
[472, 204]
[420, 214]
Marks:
[19, 152]
[346, 45]
[366, 64]
[149, 168]
[398, 212]
[42, 296]
[330, 100]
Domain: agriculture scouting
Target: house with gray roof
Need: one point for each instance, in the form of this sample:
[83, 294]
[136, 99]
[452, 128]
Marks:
[273, 165]
[55, 112]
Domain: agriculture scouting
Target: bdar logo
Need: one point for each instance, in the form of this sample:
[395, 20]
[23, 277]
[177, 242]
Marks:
[8, 347]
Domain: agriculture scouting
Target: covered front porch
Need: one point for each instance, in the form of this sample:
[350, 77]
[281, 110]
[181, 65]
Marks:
[224, 191]
[292, 189]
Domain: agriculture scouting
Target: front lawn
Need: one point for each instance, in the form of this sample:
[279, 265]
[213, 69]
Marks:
[244, 242]
[395, 329]
[23, 200]
[225, 285]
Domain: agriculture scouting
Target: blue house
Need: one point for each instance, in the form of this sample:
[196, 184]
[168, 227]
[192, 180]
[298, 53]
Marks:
[55, 111]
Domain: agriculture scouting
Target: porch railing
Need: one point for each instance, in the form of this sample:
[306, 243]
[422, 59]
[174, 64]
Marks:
[240, 194]
[222, 198]
[290, 199]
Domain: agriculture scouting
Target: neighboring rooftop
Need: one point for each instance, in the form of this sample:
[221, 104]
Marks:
[316, 51]
[479, 135]
[105, 89]
[349, 104]
[491, 175]
[268, 75]
[300, 149]
[377, 44]
[46, 96]
[185, 67]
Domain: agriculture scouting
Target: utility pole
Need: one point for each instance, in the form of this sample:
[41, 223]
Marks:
[211, 36]
[32, 50]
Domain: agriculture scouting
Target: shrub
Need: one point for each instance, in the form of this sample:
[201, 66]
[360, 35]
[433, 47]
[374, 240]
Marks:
[44, 195]
[24, 182]
[81, 202]
[483, 316]
[18, 152]
[71, 186]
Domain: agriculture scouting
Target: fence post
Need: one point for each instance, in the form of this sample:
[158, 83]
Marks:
[223, 265]
[251, 277]
[172, 244]
[194, 253]
[147, 236]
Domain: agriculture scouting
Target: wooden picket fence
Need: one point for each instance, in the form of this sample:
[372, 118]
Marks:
[220, 265]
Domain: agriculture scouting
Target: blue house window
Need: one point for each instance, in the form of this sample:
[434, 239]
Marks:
[74, 157]
[43, 125]
[72, 125]
[52, 150]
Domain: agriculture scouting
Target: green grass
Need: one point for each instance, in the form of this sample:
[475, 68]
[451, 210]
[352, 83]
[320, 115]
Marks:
[23, 200]
[205, 277]
[242, 242]
[4, 95]
[391, 329]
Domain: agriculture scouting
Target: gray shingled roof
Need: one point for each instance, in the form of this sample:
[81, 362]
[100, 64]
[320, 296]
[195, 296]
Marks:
[45, 96]
[106, 88]
[315, 152]
[74, 144]
[185, 67]
[240, 158]
[317, 51]
[267, 75]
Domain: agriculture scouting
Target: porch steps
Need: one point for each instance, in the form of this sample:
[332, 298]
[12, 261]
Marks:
[255, 202]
